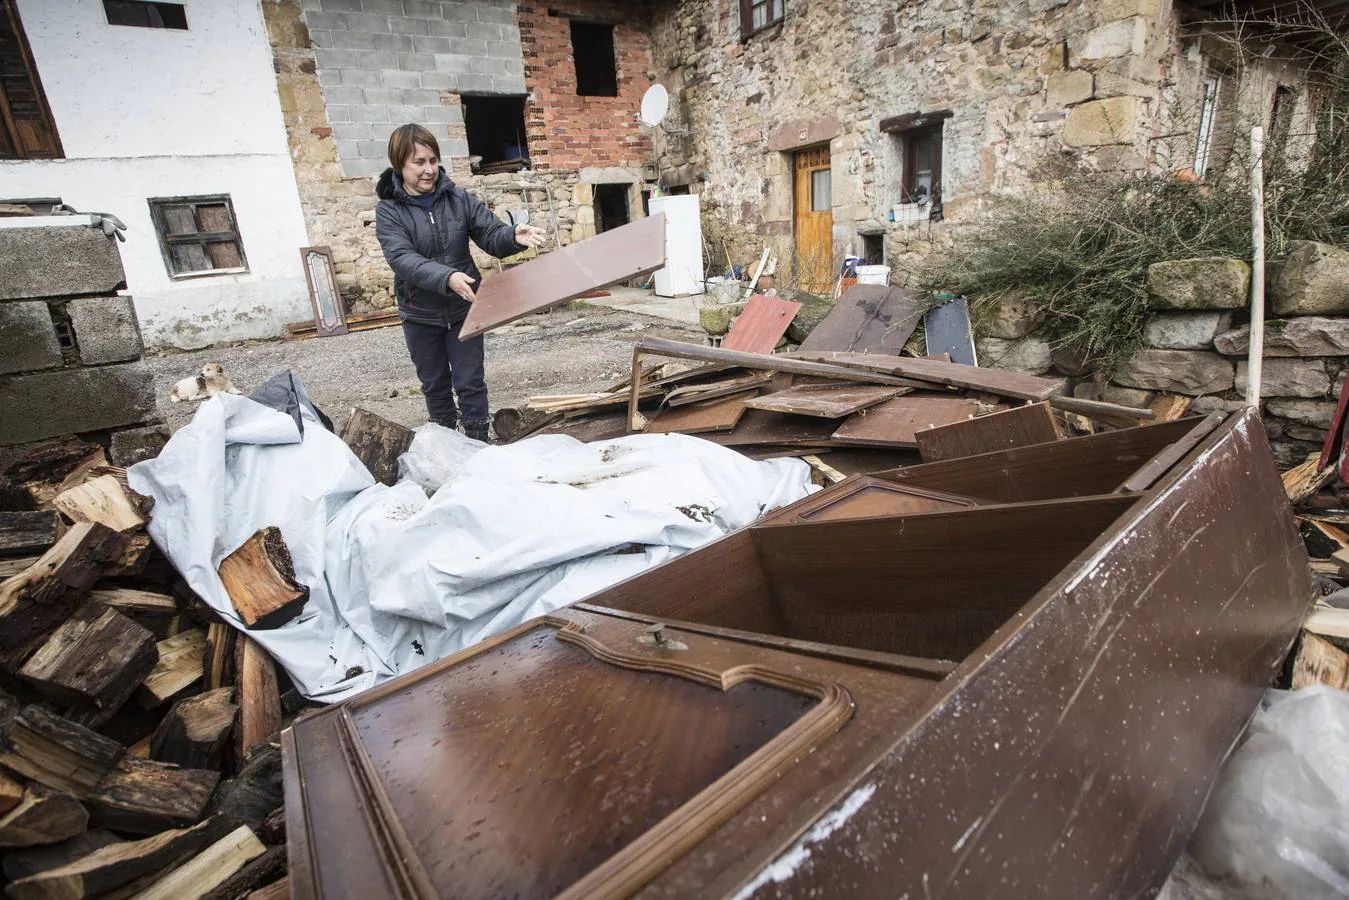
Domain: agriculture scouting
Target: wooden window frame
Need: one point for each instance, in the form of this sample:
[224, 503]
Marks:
[747, 29]
[911, 140]
[10, 12]
[168, 241]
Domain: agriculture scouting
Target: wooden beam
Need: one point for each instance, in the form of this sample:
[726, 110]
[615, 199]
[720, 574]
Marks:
[1304, 480]
[135, 602]
[181, 664]
[47, 592]
[260, 579]
[1109, 413]
[141, 796]
[96, 658]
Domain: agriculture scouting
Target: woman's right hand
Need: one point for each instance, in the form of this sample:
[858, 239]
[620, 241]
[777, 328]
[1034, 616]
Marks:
[462, 285]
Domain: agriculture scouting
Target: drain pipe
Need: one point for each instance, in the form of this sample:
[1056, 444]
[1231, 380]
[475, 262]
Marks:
[1254, 366]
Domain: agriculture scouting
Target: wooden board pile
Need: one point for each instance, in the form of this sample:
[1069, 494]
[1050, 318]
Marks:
[1320, 501]
[807, 403]
[138, 752]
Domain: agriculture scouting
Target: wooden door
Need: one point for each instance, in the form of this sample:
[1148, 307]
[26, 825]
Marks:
[814, 221]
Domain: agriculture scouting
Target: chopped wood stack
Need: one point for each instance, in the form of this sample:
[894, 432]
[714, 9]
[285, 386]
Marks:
[124, 767]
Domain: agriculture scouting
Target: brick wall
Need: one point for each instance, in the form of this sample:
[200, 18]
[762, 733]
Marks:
[568, 131]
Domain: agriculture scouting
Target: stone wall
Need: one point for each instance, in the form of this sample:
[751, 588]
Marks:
[1099, 84]
[70, 345]
[1197, 338]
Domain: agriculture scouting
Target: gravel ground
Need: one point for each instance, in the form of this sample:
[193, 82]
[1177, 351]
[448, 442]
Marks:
[570, 350]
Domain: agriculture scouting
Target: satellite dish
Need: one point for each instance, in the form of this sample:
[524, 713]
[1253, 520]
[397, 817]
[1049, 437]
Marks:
[655, 104]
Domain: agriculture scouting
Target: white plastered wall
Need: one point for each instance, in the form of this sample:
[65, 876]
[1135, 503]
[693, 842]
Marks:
[145, 112]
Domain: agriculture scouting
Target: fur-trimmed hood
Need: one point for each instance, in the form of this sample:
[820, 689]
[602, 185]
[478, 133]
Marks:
[390, 185]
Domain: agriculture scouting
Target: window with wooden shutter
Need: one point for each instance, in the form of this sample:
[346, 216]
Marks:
[26, 127]
[199, 236]
[756, 15]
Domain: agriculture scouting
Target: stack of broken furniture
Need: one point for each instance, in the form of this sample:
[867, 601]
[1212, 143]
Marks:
[137, 735]
[847, 388]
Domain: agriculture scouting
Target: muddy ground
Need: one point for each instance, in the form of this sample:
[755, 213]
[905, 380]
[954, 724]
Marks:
[571, 350]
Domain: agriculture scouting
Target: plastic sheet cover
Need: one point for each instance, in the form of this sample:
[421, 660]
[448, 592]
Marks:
[398, 579]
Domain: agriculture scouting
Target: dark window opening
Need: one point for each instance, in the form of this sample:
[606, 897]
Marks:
[922, 165]
[198, 236]
[1281, 118]
[27, 130]
[496, 133]
[873, 249]
[756, 15]
[592, 49]
[145, 14]
[611, 206]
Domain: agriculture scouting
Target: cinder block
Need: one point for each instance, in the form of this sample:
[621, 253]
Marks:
[469, 47]
[58, 262]
[69, 401]
[425, 9]
[485, 32]
[339, 59]
[344, 96]
[459, 12]
[441, 114]
[453, 63]
[372, 149]
[394, 42]
[446, 28]
[414, 62]
[405, 80]
[498, 15]
[352, 131]
[401, 25]
[370, 113]
[27, 338]
[379, 59]
[424, 43]
[472, 82]
[359, 77]
[486, 66]
[503, 50]
[508, 84]
[383, 96]
[355, 167]
[326, 21]
[445, 81]
[106, 329]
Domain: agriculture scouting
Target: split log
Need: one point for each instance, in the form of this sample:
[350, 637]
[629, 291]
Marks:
[277, 890]
[42, 817]
[30, 861]
[259, 696]
[134, 602]
[253, 795]
[95, 659]
[260, 580]
[1169, 407]
[1322, 538]
[208, 870]
[11, 792]
[115, 865]
[141, 796]
[46, 593]
[377, 443]
[1318, 661]
[29, 531]
[273, 828]
[45, 748]
[14, 565]
[136, 558]
[220, 641]
[262, 871]
[32, 481]
[195, 731]
[102, 500]
[181, 664]
[1302, 481]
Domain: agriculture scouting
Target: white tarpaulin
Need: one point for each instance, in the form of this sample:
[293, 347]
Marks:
[396, 579]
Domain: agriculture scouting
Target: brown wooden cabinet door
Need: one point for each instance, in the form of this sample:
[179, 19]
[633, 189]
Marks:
[814, 221]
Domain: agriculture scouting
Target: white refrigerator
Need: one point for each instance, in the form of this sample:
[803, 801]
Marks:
[682, 275]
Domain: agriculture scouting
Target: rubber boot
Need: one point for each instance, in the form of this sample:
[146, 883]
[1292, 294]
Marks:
[478, 431]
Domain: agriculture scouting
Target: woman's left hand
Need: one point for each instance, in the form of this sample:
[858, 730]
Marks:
[529, 236]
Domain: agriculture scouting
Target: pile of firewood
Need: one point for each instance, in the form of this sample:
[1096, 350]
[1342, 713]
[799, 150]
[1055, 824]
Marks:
[1320, 501]
[138, 731]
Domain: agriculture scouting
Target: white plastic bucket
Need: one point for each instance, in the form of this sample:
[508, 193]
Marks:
[721, 291]
[873, 274]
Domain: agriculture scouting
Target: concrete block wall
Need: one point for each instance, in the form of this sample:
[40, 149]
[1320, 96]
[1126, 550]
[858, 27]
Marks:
[70, 346]
[383, 63]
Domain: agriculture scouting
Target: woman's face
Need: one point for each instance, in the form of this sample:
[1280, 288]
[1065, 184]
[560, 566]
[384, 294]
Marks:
[420, 170]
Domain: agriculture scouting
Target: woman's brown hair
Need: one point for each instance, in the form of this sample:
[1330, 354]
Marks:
[403, 143]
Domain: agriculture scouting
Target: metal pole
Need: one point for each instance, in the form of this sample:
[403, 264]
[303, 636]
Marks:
[1254, 366]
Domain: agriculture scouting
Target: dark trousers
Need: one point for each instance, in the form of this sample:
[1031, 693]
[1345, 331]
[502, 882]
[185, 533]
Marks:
[447, 366]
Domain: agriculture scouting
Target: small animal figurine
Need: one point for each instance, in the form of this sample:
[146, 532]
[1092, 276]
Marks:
[211, 380]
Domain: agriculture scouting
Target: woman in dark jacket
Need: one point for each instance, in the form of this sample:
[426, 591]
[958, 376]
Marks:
[424, 222]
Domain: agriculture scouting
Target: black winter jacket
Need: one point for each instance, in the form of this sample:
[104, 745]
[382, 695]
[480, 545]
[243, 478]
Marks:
[424, 248]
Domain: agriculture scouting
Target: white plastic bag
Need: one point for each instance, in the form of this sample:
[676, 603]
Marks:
[1277, 824]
